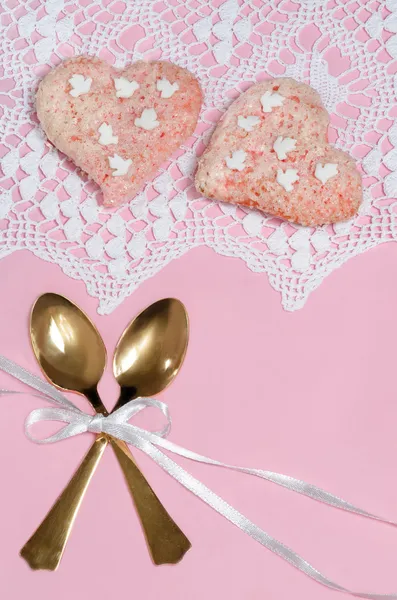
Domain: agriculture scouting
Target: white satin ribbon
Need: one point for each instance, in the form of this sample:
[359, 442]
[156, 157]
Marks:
[116, 425]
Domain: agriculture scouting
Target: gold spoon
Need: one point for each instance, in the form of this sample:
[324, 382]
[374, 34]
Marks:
[147, 358]
[71, 353]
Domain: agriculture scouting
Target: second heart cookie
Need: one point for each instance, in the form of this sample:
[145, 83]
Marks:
[270, 151]
[118, 126]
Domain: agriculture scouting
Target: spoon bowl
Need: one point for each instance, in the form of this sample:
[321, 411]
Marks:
[67, 345]
[151, 350]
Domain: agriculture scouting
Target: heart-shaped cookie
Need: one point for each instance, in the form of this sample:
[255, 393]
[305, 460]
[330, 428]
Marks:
[118, 126]
[270, 151]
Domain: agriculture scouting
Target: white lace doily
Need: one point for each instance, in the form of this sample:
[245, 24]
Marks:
[345, 49]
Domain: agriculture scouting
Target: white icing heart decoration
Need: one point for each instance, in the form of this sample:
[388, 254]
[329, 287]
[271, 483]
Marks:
[120, 165]
[237, 160]
[125, 88]
[147, 120]
[80, 85]
[106, 135]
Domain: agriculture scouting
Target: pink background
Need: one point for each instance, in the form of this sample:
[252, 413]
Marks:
[311, 394]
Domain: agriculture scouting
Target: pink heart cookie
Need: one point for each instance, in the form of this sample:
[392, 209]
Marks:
[118, 126]
[270, 151]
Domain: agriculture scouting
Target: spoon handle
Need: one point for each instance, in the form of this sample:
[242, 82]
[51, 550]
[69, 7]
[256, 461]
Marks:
[167, 543]
[45, 548]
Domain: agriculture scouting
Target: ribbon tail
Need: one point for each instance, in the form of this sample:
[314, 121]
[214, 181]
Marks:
[290, 483]
[316, 493]
[226, 510]
[24, 376]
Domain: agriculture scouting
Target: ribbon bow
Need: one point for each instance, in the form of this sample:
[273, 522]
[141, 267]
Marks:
[78, 422]
[117, 425]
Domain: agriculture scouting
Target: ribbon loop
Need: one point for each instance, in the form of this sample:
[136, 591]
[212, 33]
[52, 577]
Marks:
[117, 425]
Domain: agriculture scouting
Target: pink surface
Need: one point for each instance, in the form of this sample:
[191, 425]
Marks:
[311, 394]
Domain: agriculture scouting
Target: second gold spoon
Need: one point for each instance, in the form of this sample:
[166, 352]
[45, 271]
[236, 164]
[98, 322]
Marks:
[71, 354]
